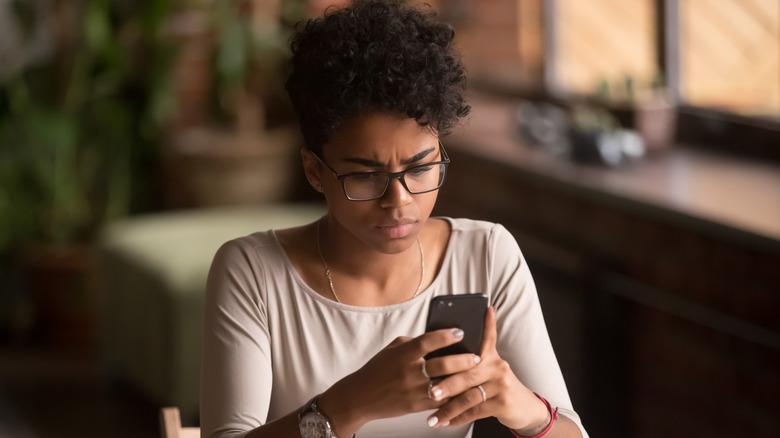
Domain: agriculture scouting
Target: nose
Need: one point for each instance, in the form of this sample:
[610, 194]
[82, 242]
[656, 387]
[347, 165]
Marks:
[396, 194]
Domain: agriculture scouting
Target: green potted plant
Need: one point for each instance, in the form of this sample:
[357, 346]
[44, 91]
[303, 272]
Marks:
[78, 140]
[245, 152]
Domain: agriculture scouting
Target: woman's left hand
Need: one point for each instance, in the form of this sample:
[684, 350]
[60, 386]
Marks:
[505, 397]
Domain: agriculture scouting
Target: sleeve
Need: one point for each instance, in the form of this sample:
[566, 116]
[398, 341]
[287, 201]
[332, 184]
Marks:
[236, 374]
[522, 334]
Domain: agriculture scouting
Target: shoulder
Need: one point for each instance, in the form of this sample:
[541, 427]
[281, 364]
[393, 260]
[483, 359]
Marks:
[487, 241]
[247, 248]
[242, 267]
[251, 241]
[473, 230]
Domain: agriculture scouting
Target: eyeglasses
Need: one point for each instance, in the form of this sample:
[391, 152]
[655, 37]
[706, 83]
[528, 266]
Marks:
[367, 186]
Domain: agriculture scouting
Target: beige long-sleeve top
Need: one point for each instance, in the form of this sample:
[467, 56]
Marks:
[271, 342]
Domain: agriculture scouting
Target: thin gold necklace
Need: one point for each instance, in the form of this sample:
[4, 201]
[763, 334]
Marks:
[330, 279]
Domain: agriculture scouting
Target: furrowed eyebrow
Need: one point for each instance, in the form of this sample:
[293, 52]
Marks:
[372, 163]
[419, 156]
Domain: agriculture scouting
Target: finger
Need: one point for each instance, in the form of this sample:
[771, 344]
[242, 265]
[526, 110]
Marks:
[490, 336]
[480, 410]
[455, 384]
[452, 364]
[427, 395]
[434, 340]
[468, 406]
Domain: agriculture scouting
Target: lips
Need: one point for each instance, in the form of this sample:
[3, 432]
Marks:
[397, 229]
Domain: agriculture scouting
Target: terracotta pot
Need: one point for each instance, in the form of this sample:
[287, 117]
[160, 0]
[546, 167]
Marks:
[220, 167]
[656, 122]
[60, 282]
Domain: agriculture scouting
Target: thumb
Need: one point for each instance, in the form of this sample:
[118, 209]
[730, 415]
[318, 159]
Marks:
[490, 334]
[399, 340]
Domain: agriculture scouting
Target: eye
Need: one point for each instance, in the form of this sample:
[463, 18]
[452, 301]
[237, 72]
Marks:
[419, 170]
[365, 176]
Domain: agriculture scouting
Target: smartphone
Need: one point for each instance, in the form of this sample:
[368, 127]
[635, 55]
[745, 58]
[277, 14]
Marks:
[466, 312]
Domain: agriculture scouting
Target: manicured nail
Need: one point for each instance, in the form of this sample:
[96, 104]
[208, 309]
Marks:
[445, 424]
[458, 333]
[432, 420]
[477, 359]
[436, 391]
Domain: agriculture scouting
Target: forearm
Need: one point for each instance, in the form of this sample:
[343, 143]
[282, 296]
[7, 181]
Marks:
[284, 427]
[340, 405]
[334, 403]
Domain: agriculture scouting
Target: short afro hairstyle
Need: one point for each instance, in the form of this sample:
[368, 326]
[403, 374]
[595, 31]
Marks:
[375, 56]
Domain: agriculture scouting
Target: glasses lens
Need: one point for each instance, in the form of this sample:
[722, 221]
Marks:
[424, 178]
[365, 186]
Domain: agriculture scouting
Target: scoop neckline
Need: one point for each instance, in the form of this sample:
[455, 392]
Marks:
[374, 309]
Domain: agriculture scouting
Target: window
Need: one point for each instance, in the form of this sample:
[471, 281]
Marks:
[723, 55]
[729, 55]
[602, 47]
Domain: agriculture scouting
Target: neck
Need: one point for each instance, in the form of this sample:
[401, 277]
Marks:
[360, 275]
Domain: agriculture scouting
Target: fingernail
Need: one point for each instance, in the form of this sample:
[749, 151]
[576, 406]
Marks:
[477, 359]
[458, 333]
[436, 391]
[445, 424]
[432, 420]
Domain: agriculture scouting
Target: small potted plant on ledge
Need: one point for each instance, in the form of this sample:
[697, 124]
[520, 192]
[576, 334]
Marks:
[646, 106]
[595, 136]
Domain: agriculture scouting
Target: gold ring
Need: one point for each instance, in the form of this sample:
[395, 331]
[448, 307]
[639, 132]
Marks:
[484, 396]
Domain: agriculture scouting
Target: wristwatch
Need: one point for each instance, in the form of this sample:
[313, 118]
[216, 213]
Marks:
[312, 423]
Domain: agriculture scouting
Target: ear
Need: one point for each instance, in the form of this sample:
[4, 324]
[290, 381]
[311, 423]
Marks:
[311, 167]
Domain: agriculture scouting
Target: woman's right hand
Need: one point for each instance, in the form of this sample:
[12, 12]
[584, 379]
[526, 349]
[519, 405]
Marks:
[392, 383]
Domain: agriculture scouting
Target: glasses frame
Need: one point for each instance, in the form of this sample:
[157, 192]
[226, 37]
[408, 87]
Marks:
[390, 175]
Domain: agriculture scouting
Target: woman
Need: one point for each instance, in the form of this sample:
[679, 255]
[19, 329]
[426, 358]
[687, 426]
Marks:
[318, 330]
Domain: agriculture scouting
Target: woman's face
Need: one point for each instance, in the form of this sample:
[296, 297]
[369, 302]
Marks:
[378, 142]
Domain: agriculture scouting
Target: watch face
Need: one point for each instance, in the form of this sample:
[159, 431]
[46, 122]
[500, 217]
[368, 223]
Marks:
[314, 425]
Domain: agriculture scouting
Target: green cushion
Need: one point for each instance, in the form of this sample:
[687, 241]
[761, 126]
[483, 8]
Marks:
[152, 274]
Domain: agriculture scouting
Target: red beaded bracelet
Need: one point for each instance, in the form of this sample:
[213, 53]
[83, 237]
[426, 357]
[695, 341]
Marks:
[553, 417]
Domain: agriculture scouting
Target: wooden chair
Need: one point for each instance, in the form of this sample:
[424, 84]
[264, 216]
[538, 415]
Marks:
[170, 425]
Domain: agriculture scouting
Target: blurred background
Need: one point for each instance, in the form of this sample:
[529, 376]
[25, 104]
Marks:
[632, 148]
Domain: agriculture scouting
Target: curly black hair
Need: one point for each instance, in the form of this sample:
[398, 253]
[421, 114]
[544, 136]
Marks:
[375, 55]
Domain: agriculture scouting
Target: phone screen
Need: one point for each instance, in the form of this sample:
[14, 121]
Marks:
[466, 312]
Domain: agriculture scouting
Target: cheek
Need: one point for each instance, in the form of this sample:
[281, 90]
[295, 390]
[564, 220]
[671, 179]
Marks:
[426, 203]
[345, 211]
[357, 212]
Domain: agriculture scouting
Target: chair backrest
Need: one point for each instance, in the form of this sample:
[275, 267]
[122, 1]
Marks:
[170, 425]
